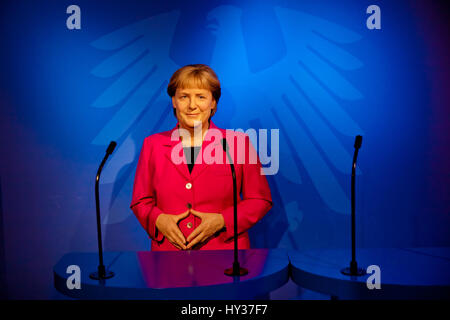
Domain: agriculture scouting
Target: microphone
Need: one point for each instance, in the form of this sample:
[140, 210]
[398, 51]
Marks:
[353, 270]
[111, 147]
[358, 142]
[236, 269]
[101, 270]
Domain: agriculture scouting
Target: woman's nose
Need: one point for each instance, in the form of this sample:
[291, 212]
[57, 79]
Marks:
[192, 104]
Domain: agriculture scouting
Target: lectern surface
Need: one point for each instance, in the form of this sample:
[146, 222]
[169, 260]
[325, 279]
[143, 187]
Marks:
[405, 273]
[175, 275]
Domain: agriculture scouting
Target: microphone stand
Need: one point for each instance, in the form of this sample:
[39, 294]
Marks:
[353, 270]
[101, 272]
[236, 269]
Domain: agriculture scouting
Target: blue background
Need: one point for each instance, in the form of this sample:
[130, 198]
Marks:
[311, 69]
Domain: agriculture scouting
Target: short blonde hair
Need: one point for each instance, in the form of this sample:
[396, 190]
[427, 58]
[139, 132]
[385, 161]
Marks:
[195, 76]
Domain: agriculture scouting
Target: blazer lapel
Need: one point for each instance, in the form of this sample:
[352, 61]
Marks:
[172, 140]
[200, 166]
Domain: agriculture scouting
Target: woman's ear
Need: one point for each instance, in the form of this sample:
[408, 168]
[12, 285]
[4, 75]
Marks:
[214, 108]
[174, 109]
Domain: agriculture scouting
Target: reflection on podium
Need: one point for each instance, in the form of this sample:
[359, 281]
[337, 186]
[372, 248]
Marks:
[172, 275]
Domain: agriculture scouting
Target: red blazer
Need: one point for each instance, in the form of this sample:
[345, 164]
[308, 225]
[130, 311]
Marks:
[162, 186]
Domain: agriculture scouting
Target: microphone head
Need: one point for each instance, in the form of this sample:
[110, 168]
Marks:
[358, 142]
[111, 147]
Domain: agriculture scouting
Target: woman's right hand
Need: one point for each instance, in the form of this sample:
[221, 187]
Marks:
[168, 225]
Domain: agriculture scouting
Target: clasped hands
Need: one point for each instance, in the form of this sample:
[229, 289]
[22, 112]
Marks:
[168, 225]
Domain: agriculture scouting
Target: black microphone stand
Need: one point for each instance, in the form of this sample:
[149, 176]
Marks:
[101, 272]
[236, 269]
[353, 270]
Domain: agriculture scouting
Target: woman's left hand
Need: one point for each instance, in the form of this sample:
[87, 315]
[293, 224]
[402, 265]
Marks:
[211, 223]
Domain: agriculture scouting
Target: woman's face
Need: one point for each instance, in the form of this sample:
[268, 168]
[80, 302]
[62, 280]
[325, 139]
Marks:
[193, 106]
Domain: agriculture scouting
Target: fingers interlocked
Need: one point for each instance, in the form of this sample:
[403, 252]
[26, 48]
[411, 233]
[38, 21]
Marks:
[211, 223]
[168, 225]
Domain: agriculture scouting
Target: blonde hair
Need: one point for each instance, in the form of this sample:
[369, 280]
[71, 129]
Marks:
[195, 76]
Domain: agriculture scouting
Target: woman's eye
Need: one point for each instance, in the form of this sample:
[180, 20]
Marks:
[202, 97]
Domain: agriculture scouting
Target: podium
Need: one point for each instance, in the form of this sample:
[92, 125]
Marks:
[405, 273]
[175, 275]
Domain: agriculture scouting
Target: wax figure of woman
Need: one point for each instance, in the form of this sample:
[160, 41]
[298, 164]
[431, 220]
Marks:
[188, 204]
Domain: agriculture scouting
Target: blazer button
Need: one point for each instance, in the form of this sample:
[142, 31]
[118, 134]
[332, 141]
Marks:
[189, 225]
[188, 185]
